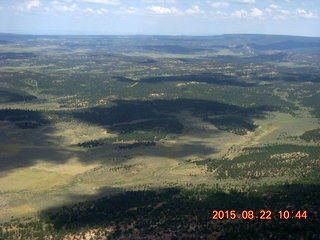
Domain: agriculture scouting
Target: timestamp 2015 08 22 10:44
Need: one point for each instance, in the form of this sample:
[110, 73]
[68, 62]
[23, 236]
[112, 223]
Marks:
[262, 214]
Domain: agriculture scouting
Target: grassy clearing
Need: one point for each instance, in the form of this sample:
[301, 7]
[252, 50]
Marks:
[32, 180]
[162, 165]
[40, 186]
[170, 163]
[74, 132]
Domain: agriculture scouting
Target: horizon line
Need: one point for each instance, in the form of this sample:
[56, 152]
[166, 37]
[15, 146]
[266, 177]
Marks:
[143, 34]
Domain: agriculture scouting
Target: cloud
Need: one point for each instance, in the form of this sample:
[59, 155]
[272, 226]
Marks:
[59, 6]
[219, 4]
[246, 1]
[89, 10]
[218, 14]
[96, 11]
[273, 6]
[305, 14]
[240, 13]
[160, 1]
[127, 10]
[194, 10]
[103, 2]
[32, 4]
[276, 12]
[102, 11]
[28, 5]
[284, 12]
[163, 10]
[256, 12]
[301, 11]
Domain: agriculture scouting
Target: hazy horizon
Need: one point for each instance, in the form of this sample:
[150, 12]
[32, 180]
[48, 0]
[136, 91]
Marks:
[141, 34]
[160, 17]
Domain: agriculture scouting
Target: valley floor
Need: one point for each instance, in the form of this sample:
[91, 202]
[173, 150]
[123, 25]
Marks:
[41, 175]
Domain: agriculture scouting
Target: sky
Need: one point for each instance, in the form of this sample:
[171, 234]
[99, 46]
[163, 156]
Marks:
[161, 17]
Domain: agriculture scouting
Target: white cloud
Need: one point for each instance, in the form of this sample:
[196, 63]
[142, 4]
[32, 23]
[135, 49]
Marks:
[127, 10]
[256, 12]
[305, 14]
[284, 12]
[240, 13]
[310, 15]
[278, 13]
[66, 8]
[219, 4]
[160, 1]
[89, 10]
[131, 10]
[273, 6]
[96, 11]
[275, 12]
[33, 3]
[163, 10]
[102, 11]
[218, 14]
[194, 10]
[28, 5]
[301, 11]
[59, 6]
[103, 2]
[246, 1]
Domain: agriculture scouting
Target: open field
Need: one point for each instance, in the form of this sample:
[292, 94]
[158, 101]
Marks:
[59, 169]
